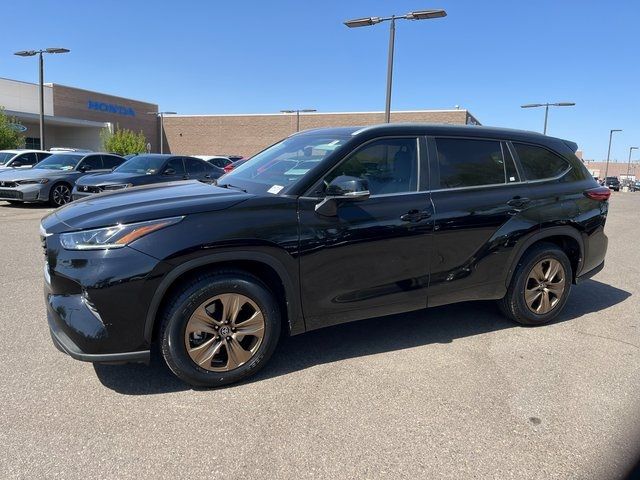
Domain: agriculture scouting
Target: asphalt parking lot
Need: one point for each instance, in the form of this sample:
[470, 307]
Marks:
[452, 392]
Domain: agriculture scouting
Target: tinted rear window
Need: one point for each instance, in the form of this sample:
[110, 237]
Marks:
[470, 163]
[539, 163]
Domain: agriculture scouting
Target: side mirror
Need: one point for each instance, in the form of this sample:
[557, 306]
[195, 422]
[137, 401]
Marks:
[344, 188]
[85, 168]
[169, 171]
[16, 163]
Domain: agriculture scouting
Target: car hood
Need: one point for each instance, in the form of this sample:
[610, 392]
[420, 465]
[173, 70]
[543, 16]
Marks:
[13, 174]
[142, 203]
[109, 178]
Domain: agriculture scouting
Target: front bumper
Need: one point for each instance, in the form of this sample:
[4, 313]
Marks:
[97, 301]
[77, 195]
[26, 193]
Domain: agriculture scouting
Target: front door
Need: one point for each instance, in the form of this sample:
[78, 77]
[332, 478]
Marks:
[372, 257]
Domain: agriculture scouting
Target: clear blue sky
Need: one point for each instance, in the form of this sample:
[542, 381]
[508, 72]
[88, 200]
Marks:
[263, 56]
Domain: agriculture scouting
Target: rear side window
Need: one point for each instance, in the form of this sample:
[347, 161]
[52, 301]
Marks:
[539, 163]
[470, 163]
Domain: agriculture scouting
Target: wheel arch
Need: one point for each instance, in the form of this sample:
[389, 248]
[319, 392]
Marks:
[566, 238]
[264, 266]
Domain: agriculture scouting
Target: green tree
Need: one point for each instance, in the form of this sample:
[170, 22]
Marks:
[9, 136]
[123, 141]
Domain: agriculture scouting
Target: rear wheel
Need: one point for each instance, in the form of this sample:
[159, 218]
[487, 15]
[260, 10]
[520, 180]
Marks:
[540, 286]
[220, 329]
[60, 194]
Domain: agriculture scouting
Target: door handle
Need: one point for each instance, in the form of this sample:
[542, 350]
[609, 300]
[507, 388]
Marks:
[519, 202]
[415, 216]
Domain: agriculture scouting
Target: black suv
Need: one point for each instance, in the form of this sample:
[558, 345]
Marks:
[324, 227]
[613, 183]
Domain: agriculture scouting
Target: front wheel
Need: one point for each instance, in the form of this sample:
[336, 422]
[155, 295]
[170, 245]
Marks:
[540, 286]
[220, 329]
[60, 195]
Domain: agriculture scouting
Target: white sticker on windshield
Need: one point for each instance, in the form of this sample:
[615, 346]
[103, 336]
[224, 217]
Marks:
[275, 189]
[512, 179]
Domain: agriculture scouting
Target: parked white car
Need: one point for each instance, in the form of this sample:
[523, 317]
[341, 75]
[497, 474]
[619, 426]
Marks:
[21, 158]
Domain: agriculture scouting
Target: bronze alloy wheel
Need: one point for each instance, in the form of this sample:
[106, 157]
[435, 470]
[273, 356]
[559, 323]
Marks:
[61, 195]
[224, 332]
[545, 286]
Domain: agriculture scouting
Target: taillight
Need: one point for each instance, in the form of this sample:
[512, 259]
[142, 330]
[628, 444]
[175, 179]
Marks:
[600, 194]
[228, 168]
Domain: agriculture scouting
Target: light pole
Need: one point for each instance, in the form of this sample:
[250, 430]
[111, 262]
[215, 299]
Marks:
[546, 109]
[629, 164]
[31, 53]
[368, 21]
[161, 115]
[297, 112]
[606, 170]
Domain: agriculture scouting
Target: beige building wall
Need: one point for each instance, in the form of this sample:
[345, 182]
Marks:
[616, 169]
[246, 135]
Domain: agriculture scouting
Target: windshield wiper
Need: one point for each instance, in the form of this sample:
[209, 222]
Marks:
[228, 185]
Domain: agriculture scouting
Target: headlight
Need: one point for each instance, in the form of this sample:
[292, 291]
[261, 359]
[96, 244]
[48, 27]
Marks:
[32, 182]
[116, 236]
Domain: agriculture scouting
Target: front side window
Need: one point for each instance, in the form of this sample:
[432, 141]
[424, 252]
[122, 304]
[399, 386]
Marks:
[175, 166]
[195, 167]
[470, 163]
[110, 161]
[388, 165]
[27, 159]
[539, 163]
[93, 162]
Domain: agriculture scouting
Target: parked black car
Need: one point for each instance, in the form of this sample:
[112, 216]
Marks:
[145, 169]
[327, 226]
[613, 183]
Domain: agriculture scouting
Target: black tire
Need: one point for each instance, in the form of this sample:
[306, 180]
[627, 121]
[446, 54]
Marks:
[184, 303]
[513, 304]
[60, 194]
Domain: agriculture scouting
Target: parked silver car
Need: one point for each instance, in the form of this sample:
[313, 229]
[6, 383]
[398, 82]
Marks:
[52, 179]
[21, 158]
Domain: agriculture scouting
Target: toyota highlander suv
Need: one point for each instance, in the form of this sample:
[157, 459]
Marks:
[325, 227]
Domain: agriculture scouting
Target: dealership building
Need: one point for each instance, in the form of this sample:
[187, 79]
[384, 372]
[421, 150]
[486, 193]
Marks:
[75, 117]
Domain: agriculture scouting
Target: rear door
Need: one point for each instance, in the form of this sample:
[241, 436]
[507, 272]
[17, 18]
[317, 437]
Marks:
[481, 204]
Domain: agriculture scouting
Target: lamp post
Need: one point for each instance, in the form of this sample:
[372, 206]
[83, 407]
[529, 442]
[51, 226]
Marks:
[297, 112]
[606, 170]
[161, 115]
[32, 53]
[546, 109]
[369, 21]
[629, 164]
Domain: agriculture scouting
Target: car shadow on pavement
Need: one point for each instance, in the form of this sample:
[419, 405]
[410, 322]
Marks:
[367, 337]
[25, 205]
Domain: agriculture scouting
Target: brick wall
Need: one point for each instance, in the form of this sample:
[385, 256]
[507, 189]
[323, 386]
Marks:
[248, 134]
[73, 103]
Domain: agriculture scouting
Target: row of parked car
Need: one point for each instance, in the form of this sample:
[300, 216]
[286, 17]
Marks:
[58, 177]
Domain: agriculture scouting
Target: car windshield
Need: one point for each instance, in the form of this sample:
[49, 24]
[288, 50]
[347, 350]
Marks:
[286, 162]
[59, 161]
[142, 164]
[5, 157]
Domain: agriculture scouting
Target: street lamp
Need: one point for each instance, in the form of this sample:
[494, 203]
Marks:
[32, 53]
[297, 112]
[606, 170]
[161, 115]
[546, 109]
[629, 164]
[369, 21]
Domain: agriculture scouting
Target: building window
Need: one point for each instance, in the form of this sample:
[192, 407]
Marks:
[32, 143]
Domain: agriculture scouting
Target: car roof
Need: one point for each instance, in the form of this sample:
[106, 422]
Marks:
[434, 129]
[22, 150]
